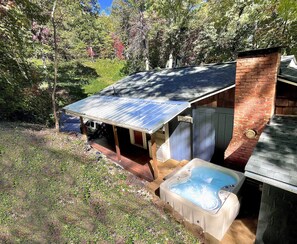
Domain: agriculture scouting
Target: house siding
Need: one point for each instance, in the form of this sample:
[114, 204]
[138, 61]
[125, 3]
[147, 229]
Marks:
[212, 131]
[180, 138]
[286, 99]
[224, 99]
[278, 216]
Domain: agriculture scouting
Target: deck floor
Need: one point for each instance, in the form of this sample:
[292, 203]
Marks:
[138, 163]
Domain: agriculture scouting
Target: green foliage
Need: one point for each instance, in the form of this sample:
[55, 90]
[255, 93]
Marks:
[80, 27]
[76, 80]
[72, 76]
[134, 65]
[151, 31]
[205, 31]
[18, 77]
[52, 191]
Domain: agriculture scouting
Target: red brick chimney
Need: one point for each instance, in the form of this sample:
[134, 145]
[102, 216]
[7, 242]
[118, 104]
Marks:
[255, 87]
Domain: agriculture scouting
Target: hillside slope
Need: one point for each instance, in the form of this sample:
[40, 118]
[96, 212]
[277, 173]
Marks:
[53, 190]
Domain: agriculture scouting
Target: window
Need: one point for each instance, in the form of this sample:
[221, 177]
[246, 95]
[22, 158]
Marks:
[138, 138]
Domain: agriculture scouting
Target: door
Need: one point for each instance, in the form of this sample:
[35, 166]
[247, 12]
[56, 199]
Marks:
[138, 139]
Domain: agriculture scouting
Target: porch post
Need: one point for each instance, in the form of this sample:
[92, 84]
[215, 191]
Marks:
[116, 140]
[83, 128]
[154, 156]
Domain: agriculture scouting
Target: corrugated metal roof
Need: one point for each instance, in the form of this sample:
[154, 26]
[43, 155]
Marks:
[138, 114]
[274, 160]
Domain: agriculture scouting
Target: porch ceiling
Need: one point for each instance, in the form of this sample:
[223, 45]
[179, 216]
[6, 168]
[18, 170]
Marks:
[138, 114]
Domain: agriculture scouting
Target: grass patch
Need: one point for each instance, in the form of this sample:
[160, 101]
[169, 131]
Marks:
[51, 190]
[109, 71]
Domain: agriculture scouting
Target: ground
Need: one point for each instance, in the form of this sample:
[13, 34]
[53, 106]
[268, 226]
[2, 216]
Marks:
[55, 189]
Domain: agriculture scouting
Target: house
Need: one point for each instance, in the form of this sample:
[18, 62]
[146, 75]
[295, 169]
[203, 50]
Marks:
[264, 139]
[189, 112]
[160, 113]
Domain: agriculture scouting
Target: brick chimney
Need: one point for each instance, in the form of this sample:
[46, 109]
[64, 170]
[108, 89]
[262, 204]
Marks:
[255, 88]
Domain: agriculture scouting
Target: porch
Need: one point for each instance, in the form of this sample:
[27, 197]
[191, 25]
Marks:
[137, 161]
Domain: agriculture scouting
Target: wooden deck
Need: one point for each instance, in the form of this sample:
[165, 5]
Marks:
[241, 231]
[165, 170]
[136, 163]
[139, 164]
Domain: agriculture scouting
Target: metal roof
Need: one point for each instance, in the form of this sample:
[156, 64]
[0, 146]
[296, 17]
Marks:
[180, 84]
[138, 114]
[274, 160]
[288, 69]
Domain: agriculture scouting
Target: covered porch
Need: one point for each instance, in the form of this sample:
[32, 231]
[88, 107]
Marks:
[137, 161]
[140, 164]
[139, 116]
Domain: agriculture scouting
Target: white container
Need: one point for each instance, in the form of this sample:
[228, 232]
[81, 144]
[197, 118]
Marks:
[215, 222]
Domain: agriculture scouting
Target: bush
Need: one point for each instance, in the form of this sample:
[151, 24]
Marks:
[29, 99]
[21, 99]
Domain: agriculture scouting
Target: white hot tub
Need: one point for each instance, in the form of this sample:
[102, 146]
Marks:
[204, 194]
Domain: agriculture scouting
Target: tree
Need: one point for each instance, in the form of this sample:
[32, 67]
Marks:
[190, 32]
[133, 27]
[287, 10]
[18, 76]
[177, 16]
[106, 37]
[55, 40]
[61, 43]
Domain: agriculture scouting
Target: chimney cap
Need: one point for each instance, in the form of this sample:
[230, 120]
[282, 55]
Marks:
[254, 52]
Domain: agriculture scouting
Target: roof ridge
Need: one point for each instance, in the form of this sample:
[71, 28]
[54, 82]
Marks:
[182, 67]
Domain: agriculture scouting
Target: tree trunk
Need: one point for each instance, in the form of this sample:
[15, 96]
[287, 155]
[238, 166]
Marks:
[144, 40]
[54, 106]
[45, 71]
[170, 61]
[147, 64]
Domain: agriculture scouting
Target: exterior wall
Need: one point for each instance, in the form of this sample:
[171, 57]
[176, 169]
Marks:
[256, 75]
[162, 142]
[224, 103]
[180, 138]
[286, 99]
[224, 99]
[212, 132]
[278, 216]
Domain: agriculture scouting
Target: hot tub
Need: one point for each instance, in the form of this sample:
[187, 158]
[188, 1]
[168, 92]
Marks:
[204, 194]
